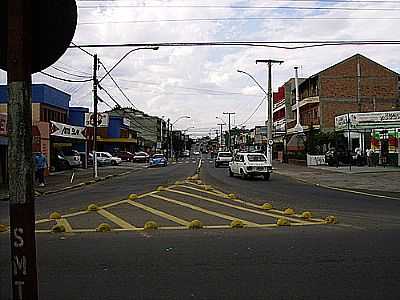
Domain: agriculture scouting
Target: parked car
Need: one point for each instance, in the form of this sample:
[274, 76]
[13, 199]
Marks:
[83, 157]
[158, 160]
[223, 158]
[113, 160]
[124, 155]
[250, 165]
[196, 153]
[58, 163]
[102, 160]
[186, 153]
[141, 157]
[72, 156]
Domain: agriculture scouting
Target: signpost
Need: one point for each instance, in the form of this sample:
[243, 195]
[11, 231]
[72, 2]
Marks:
[33, 35]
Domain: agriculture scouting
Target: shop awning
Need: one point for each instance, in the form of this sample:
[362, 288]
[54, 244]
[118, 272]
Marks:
[117, 140]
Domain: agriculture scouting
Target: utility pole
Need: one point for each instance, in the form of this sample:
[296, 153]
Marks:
[95, 120]
[168, 141]
[229, 134]
[298, 128]
[20, 161]
[220, 137]
[269, 106]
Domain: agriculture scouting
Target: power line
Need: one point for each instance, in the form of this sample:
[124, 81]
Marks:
[87, 52]
[321, 1]
[254, 112]
[117, 85]
[243, 7]
[268, 44]
[68, 73]
[239, 19]
[64, 79]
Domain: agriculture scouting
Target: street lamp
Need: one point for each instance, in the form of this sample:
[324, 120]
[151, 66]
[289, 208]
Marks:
[220, 137]
[172, 124]
[184, 134]
[123, 57]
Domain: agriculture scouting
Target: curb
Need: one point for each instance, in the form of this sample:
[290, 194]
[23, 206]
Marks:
[78, 185]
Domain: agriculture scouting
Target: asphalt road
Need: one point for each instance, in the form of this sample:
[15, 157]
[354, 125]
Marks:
[359, 258]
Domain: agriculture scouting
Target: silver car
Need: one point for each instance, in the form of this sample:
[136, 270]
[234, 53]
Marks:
[72, 157]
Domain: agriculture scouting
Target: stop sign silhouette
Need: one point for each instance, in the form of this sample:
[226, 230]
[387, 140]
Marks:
[53, 27]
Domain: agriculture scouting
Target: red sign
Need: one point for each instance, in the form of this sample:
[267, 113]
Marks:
[3, 124]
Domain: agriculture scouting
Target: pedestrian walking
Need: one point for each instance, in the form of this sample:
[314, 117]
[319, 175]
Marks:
[40, 166]
[370, 154]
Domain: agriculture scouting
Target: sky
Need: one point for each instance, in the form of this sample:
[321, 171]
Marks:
[203, 82]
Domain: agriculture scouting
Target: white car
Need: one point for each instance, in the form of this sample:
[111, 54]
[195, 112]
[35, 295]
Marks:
[250, 165]
[223, 158]
[196, 153]
[108, 157]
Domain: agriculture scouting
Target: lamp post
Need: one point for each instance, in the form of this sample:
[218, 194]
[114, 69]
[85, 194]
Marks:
[220, 137]
[184, 134]
[298, 128]
[123, 57]
[172, 124]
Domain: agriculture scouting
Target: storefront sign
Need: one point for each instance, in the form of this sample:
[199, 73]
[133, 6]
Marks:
[3, 124]
[67, 131]
[386, 119]
[102, 120]
[315, 160]
[126, 122]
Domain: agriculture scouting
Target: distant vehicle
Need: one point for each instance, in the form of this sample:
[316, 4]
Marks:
[113, 159]
[58, 163]
[124, 155]
[250, 165]
[73, 158]
[186, 153]
[223, 158]
[158, 160]
[196, 153]
[89, 161]
[141, 157]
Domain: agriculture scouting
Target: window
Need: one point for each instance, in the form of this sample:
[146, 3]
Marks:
[256, 157]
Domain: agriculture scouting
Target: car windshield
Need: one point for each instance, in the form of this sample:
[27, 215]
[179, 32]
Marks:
[256, 157]
[140, 154]
[69, 153]
[224, 154]
[158, 156]
[107, 154]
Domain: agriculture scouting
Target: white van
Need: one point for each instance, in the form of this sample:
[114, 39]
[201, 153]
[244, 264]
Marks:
[250, 165]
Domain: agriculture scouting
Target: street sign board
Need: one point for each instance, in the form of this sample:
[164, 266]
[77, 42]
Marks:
[369, 120]
[53, 27]
[102, 119]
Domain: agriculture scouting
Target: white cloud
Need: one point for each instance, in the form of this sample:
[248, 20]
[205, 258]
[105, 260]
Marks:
[202, 81]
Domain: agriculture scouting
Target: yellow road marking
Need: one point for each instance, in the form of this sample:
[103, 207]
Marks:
[65, 223]
[233, 206]
[245, 202]
[203, 210]
[158, 212]
[43, 221]
[113, 218]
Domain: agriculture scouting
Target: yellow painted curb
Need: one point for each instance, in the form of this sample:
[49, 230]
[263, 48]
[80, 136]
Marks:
[179, 182]
[231, 196]
[195, 224]
[92, 207]
[103, 227]
[288, 211]
[282, 222]
[306, 215]
[237, 224]
[3, 228]
[267, 206]
[160, 189]
[132, 197]
[58, 228]
[150, 225]
[208, 187]
[331, 220]
[55, 216]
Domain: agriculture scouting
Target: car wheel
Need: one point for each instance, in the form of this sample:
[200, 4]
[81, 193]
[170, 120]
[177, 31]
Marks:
[230, 172]
[267, 176]
[113, 162]
[243, 174]
[216, 165]
[52, 169]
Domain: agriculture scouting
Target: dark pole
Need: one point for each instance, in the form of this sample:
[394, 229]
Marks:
[229, 125]
[20, 161]
[348, 140]
[168, 138]
[95, 102]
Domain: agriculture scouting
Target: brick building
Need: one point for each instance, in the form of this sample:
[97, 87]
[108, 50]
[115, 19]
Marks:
[356, 84]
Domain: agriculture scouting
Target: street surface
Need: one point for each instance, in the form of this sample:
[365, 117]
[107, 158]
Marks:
[358, 258]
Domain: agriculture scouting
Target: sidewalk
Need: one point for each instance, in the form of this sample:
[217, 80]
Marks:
[61, 181]
[373, 179]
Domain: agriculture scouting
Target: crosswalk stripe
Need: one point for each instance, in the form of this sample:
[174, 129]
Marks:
[203, 210]
[233, 206]
[117, 220]
[158, 212]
